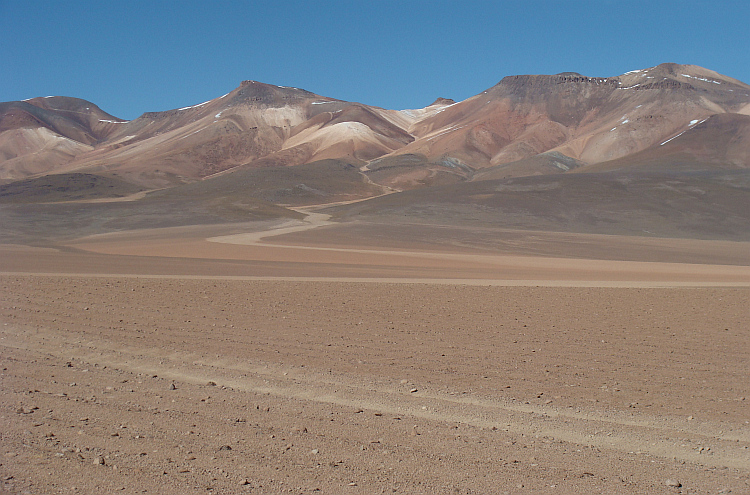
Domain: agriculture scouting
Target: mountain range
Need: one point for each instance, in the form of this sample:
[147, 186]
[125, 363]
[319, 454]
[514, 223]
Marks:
[289, 146]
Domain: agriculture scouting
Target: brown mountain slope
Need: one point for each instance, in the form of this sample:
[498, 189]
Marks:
[721, 141]
[256, 125]
[41, 134]
[524, 125]
[585, 118]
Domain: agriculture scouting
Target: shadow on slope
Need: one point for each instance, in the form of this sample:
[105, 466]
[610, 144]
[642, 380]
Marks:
[65, 187]
[325, 181]
[412, 171]
[701, 205]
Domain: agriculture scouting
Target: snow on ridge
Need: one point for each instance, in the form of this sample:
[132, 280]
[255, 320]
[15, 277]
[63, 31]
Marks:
[114, 121]
[194, 106]
[700, 78]
[692, 124]
[448, 106]
[635, 71]
[322, 102]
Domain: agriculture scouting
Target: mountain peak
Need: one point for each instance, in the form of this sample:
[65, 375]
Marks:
[442, 101]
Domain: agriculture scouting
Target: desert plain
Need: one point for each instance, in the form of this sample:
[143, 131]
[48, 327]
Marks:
[311, 356]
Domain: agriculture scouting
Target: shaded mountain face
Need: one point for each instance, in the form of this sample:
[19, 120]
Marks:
[524, 125]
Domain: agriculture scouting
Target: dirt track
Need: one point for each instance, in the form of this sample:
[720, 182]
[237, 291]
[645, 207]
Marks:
[308, 386]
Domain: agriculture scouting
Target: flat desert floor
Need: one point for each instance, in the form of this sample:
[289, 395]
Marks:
[320, 358]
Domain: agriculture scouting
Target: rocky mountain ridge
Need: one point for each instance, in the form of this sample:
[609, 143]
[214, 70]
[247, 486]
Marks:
[524, 125]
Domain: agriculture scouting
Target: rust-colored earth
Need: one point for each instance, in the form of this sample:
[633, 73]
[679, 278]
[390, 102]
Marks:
[336, 359]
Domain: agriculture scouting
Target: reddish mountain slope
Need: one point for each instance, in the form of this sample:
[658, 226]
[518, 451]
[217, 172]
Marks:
[524, 125]
[41, 134]
[589, 119]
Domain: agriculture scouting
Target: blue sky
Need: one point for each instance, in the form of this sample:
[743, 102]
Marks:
[131, 57]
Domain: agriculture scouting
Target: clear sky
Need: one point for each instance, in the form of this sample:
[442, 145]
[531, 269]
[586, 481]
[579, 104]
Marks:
[134, 56]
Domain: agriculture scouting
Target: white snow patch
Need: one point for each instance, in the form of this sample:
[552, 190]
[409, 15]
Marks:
[114, 121]
[675, 137]
[613, 129]
[224, 96]
[218, 114]
[625, 121]
[448, 106]
[693, 123]
[635, 71]
[700, 78]
[195, 106]
[322, 102]
[196, 132]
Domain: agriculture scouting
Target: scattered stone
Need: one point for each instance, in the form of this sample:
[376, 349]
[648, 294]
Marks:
[213, 384]
[414, 390]
[172, 386]
[99, 461]
[314, 451]
[673, 483]
[245, 482]
[225, 447]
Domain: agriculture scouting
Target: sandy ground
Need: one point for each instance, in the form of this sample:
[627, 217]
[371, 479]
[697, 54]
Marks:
[156, 363]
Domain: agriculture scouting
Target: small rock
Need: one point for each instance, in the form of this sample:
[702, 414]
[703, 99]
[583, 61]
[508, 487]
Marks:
[245, 482]
[314, 451]
[172, 387]
[414, 390]
[99, 461]
[673, 483]
[225, 447]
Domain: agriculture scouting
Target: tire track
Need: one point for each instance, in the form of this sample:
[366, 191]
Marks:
[719, 446]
